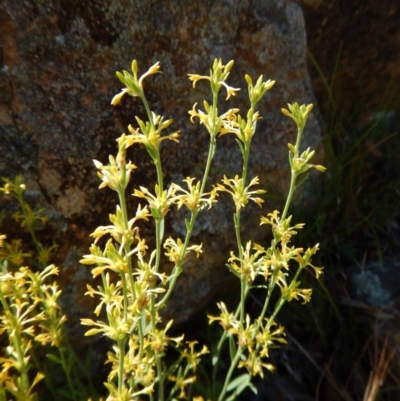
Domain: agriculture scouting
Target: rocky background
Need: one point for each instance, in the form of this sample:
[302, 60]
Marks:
[57, 77]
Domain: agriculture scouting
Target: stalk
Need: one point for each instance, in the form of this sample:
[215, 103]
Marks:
[293, 177]
[229, 374]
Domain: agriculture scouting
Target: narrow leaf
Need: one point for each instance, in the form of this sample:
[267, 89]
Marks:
[53, 358]
[240, 146]
[232, 348]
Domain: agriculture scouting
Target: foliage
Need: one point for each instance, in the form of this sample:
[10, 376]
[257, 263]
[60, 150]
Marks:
[134, 291]
[146, 362]
[30, 316]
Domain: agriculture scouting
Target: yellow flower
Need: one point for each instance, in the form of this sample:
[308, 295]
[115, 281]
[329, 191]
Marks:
[258, 91]
[160, 202]
[217, 78]
[227, 320]
[117, 98]
[174, 250]
[160, 339]
[134, 87]
[192, 198]
[249, 265]
[240, 194]
[192, 356]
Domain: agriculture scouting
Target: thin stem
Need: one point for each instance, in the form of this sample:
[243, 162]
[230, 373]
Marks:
[121, 347]
[178, 267]
[293, 178]
[229, 374]
[65, 368]
[122, 202]
[160, 377]
[30, 224]
[211, 151]
[23, 370]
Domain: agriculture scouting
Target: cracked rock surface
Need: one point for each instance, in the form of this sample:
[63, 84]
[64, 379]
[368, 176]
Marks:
[57, 77]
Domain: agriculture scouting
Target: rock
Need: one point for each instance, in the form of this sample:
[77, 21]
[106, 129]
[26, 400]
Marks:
[57, 78]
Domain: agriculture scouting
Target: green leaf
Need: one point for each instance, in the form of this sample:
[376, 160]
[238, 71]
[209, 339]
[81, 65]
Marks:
[240, 146]
[290, 158]
[238, 385]
[152, 152]
[292, 148]
[232, 348]
[232, 270]
[53, 358]
[187, 224]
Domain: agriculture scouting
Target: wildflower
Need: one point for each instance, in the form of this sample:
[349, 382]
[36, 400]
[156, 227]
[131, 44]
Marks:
[210, 119]
[293, 292]
[243, 129]
[227, 320]
[254, 365]
[181, 382]
[149, 133]
[134, 87]
[240, 194]
[46, 254]
[249, 265]
[217, 78]
[268, 339]
[174, 250]
[192, 356]
[13, 252]
[122, 233]
[299, 114]
[160, 339]
[193, 199]
[116, 330]
[160, 202]
[257, 92]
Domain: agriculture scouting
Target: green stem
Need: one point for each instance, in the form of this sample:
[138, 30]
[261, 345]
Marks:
[23, 370]
[293, 178]
[64, 365]
[153, 309]
[121, 347]
[160, 377]
[124, 211]
[160, 178]
[30, 225]
[236, 219]
[229, 374]
[178, 267]
[211, 152]
[271, 287]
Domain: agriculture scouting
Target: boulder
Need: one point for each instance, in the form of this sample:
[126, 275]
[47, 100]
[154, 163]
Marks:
[57, 77]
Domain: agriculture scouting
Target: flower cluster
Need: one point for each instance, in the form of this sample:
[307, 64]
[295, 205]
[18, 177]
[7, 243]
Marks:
[134, 288]
[30, 220]
[30, 314]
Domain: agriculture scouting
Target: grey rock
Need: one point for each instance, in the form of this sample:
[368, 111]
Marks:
[57, 78]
